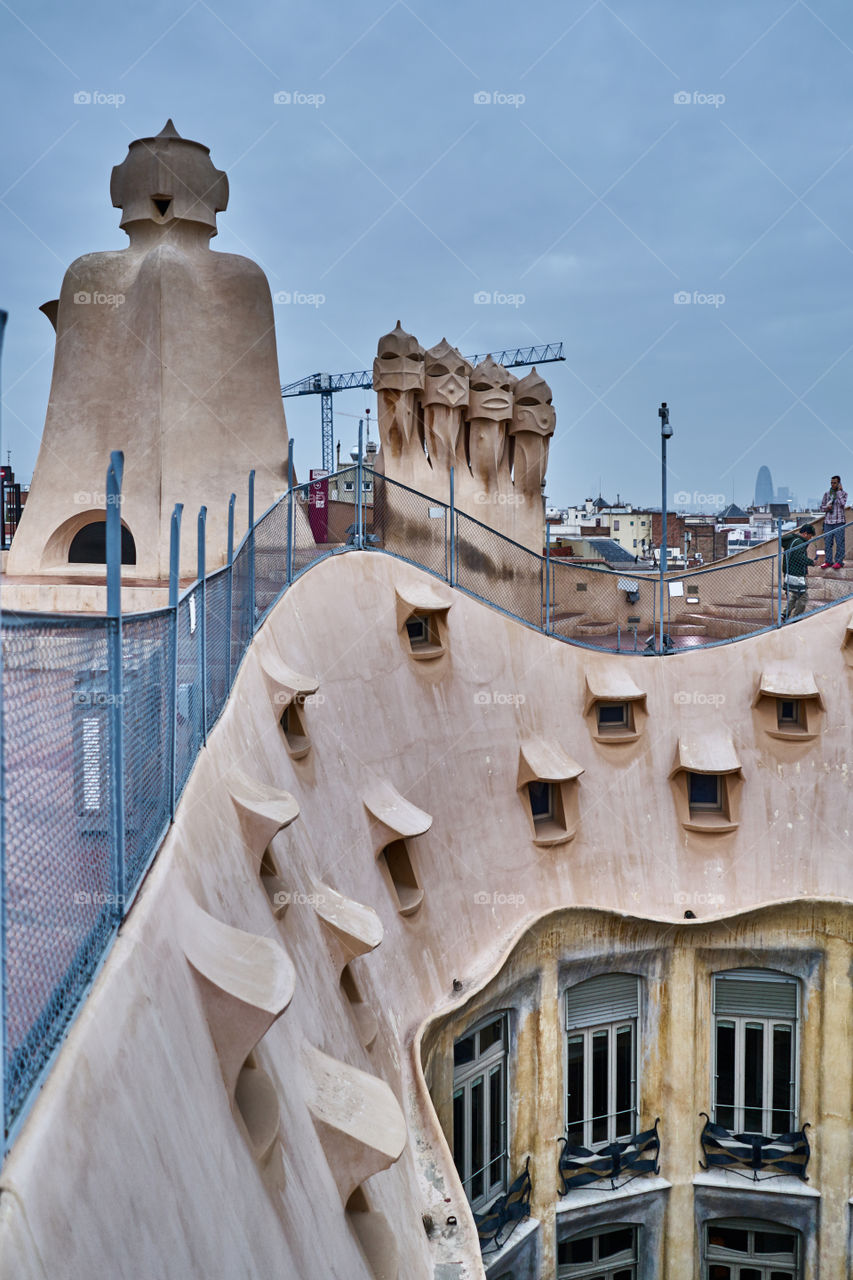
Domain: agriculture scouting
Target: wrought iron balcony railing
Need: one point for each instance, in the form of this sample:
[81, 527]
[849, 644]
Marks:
[507, 1212]
[751, 1154]
[625, 1160]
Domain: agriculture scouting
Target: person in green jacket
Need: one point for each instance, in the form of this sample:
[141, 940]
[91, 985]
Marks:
[795, 568]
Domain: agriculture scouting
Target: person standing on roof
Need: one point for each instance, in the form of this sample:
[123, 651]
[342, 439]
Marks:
[833, 506]
[796, 563]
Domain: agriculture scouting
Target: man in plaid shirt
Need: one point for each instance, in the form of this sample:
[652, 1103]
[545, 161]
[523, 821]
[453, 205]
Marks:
[833, 505]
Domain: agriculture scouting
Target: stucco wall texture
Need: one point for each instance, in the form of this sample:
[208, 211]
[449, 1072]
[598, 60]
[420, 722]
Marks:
[134, 1160]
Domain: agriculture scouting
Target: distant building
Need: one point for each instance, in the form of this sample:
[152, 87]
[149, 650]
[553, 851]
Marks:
[763, 487]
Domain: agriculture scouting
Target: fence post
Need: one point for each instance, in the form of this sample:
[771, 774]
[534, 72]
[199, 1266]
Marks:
[547, 579]
[451, 576]
[779, 585]
[202, 612]
[290, 511]
[174, 589]
[251, 553]
[230, 596]
[359, 524]
[115, 674]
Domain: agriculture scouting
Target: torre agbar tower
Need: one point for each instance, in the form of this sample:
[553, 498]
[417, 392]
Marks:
[380, 904]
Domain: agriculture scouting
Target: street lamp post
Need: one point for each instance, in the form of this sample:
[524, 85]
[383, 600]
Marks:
[665, 433]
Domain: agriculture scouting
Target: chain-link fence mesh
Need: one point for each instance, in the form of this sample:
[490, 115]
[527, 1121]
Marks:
[602, 608]
[217, 640]
[499, 570]
[147, 696]
[242, 604]
[408, 524]
[270, 558]
[59, 892]
[188, 709]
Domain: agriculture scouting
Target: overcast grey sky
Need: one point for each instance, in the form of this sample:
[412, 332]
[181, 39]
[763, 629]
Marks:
[631, 151]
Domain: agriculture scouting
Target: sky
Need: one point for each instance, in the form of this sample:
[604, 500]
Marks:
[665, 188]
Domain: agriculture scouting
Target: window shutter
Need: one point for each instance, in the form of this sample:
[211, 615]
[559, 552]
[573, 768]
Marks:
[604, 999]
[756, 993]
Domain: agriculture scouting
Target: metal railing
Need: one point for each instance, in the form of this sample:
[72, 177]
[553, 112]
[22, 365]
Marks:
[103, 717]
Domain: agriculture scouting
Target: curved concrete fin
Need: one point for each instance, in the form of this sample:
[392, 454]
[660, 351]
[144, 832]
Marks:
[357, 1117]
[246, 981]
[357, 927]
[263, 810]
[50, 309]
[394, 811]
[708, 751]
[284, 683]
[847, 642]
[545, 761]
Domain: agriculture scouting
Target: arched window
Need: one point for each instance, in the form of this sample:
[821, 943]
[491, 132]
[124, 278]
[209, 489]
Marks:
[610, 1253]
[601, 1059]
[755, 1051]
[89, 545]
[749, 1249]
[480, 1137]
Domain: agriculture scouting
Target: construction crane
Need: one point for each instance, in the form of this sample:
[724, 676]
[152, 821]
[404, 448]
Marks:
[326, 384]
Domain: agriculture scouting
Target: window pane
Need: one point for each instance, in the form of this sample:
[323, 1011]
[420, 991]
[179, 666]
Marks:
[704, 788]
[718, 1272]
[492, 1034]
[728, 1238]
[750, 1273]
[611, 713]
[753, 1076]
[541, 805]
[463, 1051]
[476, 1184]
[613, 1242]
[782, 1075]
[496, 1129]
[459, 1132]
[575, 1250]
[725, 1113]
[782, 1243]
[574, 1109]
[624, 1082]
[600, 1047]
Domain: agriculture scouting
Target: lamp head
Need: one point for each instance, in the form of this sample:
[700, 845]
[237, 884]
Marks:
[663, 414]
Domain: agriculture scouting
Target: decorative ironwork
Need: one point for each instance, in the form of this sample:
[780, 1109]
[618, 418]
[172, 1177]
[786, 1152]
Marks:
[628, 1159]
[507, 1211]
[788, 1154]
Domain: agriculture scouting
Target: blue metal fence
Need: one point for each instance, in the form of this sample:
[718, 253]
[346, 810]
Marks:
[103, 717]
